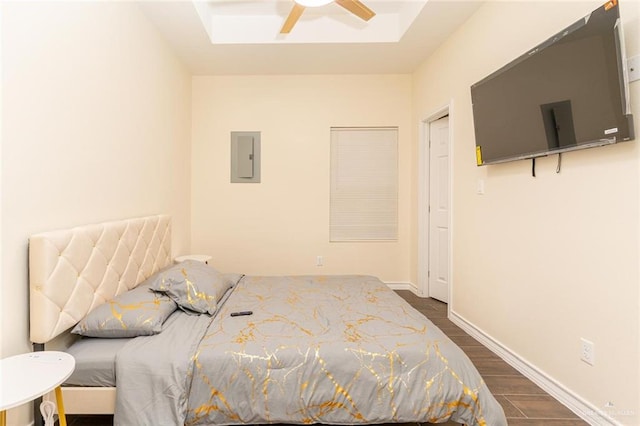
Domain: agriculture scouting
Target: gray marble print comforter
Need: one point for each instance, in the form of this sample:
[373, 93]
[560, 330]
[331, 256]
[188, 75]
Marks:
[317, 349]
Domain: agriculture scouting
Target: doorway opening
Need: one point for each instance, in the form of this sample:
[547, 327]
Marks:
[434, 207]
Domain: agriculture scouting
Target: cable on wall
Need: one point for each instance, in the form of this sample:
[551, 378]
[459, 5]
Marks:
[533, 167]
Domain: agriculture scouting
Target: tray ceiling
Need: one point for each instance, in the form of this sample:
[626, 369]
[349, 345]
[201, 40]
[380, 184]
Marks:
[242, 36]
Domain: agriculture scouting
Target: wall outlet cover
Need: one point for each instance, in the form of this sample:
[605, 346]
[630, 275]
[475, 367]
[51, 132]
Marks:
[587, 351]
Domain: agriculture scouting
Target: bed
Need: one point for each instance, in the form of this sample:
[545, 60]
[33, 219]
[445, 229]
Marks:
[246, 350]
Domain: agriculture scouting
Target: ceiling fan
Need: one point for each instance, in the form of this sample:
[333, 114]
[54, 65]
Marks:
[354, 6]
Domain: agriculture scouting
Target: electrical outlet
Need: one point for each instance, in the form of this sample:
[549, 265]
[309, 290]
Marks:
[587, 351]
[319, 261]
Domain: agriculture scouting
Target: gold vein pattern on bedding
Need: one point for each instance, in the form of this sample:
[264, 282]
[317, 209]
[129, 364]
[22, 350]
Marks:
[335, 350]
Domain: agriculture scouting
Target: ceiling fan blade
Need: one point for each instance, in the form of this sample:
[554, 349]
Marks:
[293, 17]
[357, 8]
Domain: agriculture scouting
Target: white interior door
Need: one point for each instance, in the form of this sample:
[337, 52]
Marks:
[439, 202]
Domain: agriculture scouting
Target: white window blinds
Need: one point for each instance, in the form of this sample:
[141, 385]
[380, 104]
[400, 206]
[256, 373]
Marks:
[364, 184]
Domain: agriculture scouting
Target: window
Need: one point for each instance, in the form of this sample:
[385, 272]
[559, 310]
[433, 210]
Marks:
[364, 184]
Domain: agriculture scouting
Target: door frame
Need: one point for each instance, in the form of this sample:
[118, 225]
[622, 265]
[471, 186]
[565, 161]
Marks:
[424, 154]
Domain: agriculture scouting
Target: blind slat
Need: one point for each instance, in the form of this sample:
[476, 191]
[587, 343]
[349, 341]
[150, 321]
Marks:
[364, 184]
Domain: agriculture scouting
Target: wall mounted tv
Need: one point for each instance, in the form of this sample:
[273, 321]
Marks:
[568, 93]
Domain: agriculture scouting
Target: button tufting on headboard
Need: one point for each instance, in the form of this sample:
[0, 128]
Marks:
[74, 270]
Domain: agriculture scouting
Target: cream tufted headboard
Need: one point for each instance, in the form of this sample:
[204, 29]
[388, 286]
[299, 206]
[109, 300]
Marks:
[74, 270]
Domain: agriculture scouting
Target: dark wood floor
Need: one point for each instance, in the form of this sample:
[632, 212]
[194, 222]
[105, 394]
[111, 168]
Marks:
[524, 403]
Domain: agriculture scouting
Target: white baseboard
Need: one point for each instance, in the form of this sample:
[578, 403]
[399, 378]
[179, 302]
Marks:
[403, 286]
[583, 409]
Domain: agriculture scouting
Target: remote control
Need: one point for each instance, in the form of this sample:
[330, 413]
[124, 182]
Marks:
[241, 313]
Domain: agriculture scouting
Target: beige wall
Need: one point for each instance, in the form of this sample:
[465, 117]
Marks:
[540, 262]
[95, 127]
[279, 226]
[96, 122]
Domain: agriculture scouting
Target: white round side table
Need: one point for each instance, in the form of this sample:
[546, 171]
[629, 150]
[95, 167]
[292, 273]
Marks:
[27, 376]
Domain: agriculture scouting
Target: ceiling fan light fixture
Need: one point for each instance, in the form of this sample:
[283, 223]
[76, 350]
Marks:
[313, 3]
[354, 6]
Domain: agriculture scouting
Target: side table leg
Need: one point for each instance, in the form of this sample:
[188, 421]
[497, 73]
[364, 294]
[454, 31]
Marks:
[3, 418]
[59, 402]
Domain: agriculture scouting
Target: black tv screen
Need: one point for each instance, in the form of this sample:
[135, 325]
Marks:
[570, 92]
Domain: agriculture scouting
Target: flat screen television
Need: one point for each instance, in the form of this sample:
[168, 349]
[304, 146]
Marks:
[570, 92]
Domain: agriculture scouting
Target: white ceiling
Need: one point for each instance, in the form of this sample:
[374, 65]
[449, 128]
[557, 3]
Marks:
[259, 22]
[326, 40]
